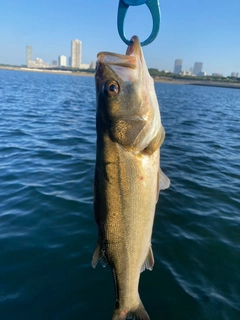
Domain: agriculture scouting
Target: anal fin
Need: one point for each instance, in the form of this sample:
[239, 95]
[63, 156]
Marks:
[98, 256]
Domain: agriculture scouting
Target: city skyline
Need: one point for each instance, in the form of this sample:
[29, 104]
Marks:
[196, 70]
[74, 61]
[193, 30]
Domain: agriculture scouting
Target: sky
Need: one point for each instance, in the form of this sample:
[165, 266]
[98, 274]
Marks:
[206, 31]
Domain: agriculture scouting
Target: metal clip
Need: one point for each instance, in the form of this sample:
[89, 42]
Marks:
[154, 8]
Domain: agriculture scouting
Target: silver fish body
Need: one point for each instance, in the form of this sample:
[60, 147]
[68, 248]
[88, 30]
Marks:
[127, 173]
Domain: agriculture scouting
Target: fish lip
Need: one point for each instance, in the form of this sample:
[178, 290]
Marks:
[128, 60]
[134, 48]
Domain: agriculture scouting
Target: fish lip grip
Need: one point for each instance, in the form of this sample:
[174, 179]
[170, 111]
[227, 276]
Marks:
[154, 8]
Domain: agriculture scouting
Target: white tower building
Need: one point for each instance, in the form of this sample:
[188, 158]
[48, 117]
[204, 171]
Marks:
[62, 61]
[76, 53]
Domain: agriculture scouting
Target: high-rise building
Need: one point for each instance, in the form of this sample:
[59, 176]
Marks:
[54, 63]
[234, 74]
[29, 55]
[197, 68]
[76, 53]
[62, 61]
[92, 65]
[178, 66]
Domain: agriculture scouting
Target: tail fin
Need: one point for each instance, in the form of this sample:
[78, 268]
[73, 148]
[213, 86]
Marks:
[138, 313]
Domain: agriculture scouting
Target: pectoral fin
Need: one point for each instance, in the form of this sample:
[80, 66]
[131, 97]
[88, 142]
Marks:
[156, 142]
[164, 181]
[149, 261]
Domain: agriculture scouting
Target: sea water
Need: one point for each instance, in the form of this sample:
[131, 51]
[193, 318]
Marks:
[47, 228]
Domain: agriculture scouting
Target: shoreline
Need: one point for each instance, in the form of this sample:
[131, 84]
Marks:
[70, 73]
[193, 82]
[166, 80]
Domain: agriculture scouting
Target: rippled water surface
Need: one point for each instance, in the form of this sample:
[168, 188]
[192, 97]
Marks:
[47, 229]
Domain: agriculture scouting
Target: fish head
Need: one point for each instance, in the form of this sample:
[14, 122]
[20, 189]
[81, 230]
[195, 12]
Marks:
[127, 107]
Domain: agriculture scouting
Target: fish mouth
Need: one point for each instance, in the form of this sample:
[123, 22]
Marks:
[127, 60]
[120, 63]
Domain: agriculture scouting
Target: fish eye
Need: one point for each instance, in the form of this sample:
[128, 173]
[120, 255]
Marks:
[111, 88]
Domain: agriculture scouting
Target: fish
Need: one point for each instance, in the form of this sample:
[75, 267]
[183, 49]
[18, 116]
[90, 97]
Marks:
[128, 177]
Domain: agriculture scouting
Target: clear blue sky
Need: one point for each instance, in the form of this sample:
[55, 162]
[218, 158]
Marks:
[191, 30]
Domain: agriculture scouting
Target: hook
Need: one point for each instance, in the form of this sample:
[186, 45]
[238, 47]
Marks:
[154, 8]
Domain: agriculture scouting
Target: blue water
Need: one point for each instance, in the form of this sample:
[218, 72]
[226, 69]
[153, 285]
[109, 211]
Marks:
[47, 228]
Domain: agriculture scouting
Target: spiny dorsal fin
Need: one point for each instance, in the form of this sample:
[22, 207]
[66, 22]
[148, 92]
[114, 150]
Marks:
[149, 261]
